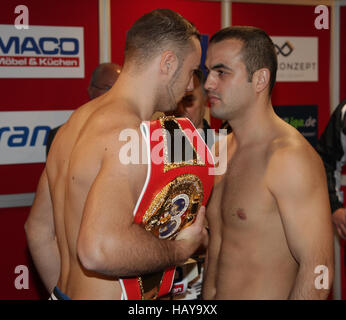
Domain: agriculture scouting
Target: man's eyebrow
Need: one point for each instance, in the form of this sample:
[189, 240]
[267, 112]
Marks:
[220, 66]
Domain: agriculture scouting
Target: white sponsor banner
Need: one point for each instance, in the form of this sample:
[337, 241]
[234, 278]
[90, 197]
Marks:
[41, 52]
[23, 134]
[297, 58]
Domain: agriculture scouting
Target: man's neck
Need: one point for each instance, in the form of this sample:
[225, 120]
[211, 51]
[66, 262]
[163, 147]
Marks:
[254, 125]
[136, 95]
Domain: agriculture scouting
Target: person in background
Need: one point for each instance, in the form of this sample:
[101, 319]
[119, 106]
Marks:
[102, 79]
[188, 277]
[332, 149]
[193, 106]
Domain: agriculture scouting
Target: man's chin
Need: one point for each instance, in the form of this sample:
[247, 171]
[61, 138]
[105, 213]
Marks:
[216, 114]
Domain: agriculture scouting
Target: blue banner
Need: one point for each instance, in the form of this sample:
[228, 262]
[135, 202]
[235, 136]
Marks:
[303, 118]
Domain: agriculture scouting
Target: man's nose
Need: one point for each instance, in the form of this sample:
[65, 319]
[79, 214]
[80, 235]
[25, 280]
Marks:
[210, 83]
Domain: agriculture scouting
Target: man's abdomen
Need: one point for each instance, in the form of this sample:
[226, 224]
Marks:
[245, 272]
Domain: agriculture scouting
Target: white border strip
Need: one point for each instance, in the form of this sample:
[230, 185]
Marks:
[104, 31]
[146, 134]
[226, 13]
[16, 200]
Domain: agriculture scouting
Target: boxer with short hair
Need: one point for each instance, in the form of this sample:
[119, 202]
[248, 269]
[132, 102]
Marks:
[269, 214]
[81, 230]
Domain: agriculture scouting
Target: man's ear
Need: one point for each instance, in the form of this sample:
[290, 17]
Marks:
[169, 62]
[260, 79]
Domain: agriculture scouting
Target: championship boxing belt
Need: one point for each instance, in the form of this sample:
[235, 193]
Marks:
[179, 180]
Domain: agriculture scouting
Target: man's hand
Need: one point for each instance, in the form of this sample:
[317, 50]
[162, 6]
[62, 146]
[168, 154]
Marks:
[194, 235]
[339, 219]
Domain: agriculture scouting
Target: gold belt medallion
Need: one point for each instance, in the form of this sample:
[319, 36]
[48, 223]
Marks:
[174, 208]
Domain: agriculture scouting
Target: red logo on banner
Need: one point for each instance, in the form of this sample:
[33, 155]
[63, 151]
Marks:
[14, 61]
[178, 288]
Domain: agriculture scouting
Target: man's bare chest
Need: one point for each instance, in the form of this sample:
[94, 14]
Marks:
[244, 195]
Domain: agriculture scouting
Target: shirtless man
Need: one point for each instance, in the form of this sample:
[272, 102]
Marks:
[80, 230]
[269, 215]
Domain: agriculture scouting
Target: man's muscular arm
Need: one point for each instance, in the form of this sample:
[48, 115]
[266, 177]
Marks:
[297, 180]
[109, 241]
[40, 233]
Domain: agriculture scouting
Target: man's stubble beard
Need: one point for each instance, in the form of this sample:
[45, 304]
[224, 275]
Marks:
[219, 112]
[172, 99]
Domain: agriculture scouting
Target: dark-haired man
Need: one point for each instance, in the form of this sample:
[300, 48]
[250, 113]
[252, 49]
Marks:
[80, 229]
[269, 216]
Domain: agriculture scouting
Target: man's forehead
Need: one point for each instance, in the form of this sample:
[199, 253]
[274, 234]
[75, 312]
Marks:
[197, 51]
[230, 44]
[224, 50]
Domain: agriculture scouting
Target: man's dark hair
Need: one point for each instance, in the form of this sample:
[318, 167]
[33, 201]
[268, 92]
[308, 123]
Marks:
[258, 49]
[158, 30]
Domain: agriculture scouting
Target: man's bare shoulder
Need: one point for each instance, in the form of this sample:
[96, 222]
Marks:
[110, 118]
[102, 131]
[109, 147]
[289, 142]
[102, 122]
[291, 156]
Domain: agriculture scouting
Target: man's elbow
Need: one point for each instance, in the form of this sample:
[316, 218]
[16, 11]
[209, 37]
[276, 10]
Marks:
[94, 256]
[29, 230]
[89, 255]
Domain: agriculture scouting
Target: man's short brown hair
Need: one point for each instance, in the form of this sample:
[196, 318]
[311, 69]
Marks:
[258, 49]
[158, 30]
